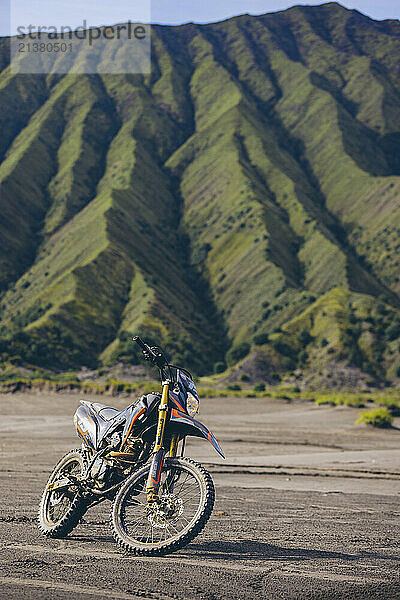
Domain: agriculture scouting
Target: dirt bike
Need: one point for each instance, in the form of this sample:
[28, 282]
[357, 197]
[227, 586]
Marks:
[160, 501]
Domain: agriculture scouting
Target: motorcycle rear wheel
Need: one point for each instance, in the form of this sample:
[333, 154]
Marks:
[61, 511]
[186, 501]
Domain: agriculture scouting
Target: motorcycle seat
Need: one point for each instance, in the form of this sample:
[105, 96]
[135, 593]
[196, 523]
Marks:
[105, 412]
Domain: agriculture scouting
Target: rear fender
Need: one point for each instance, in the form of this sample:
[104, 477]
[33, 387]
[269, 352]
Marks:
[181, 422]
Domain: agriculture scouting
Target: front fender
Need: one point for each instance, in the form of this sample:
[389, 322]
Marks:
[181, 422]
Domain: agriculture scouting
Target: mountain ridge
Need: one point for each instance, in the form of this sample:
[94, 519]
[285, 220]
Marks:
[211, 204]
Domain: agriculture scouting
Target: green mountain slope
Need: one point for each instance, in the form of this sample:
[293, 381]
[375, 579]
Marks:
[243, 198]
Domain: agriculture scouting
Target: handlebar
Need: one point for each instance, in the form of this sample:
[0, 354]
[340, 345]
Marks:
[151, 353]
[141, 343]
[156, 356]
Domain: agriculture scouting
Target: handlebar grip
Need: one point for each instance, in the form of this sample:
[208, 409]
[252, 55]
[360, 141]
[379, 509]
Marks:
[141, 343]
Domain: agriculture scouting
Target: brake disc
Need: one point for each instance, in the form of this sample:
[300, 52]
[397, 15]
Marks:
[167, 512]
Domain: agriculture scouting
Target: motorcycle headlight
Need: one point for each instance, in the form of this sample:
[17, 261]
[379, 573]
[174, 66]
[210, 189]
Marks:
[192, 405]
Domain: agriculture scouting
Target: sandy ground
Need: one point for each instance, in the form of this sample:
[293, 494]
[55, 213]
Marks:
[307, 508]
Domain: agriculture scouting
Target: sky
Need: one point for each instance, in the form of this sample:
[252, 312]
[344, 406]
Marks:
[100, 12]
[181, 11]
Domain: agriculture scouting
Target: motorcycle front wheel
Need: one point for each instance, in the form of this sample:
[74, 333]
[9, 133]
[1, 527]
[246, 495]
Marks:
[60, 511]
[186, 496]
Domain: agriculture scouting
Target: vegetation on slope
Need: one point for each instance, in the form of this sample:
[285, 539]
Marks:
[239, 205]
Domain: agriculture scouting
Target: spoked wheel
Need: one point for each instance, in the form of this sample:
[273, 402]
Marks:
[186, 502]
[60, 510]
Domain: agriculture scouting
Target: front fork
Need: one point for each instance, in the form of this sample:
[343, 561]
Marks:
[153, 480]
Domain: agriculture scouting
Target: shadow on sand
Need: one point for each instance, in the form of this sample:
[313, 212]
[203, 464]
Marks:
[244, 550]
[252, 550]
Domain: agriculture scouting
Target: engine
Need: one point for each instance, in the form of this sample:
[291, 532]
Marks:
[133, 447]
[132, 452]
